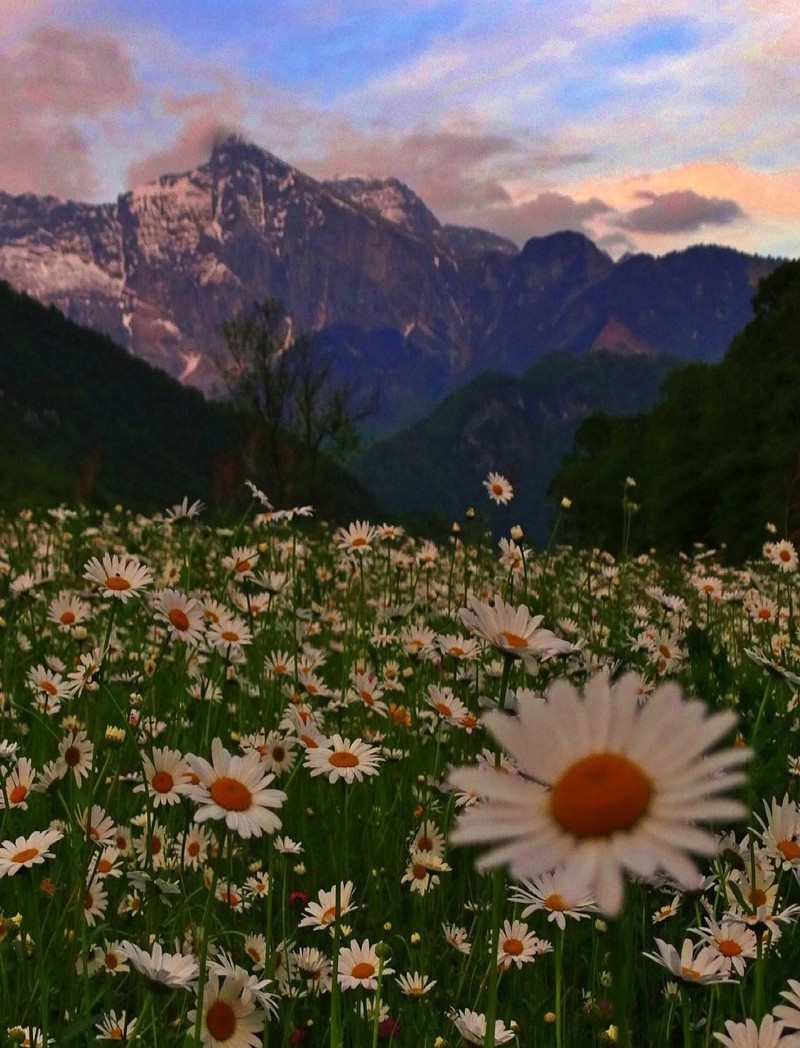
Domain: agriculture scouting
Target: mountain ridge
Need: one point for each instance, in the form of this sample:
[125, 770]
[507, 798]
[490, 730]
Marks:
[406, 303]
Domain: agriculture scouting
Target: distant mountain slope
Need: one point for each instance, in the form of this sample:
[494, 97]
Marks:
[367, 264]
[520, 426]
[80, 418]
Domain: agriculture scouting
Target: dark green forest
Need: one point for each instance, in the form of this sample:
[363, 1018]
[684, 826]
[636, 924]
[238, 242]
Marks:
[715, 459]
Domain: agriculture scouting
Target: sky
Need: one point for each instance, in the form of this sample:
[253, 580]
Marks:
[648, 125]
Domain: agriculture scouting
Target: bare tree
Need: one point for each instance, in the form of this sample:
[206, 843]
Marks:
[285, 388]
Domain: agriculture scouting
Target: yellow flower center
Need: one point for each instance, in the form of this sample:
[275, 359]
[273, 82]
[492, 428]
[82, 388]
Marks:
[600, 794]
[221, 1021]
[230, 794]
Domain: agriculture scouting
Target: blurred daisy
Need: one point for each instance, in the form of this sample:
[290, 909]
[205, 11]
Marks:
[75, 753]
[790, 1013]
[182, 614]
[516, 945]
[783, 555]
[67, 611]
[559, 894]
[733, 940]
[498, 489]
[749, 1035]
[472, 1027]
[117, 576]
[607, 786]
[175, 970]
[412, 984]
[235, 788]
[112, 1028]
[512, 630]
[695, 964]
[340, 758]
[780, 832]
[229, 1015]
[18, 785]
[321, 914]
[423, 870]
[357, 538]
[229, 633]
[456, 937]
[167, 776]
[314, 968]
[25, 852]
[241, 561]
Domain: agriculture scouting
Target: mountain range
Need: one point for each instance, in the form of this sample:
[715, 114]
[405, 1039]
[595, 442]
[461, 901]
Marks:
[412, 308]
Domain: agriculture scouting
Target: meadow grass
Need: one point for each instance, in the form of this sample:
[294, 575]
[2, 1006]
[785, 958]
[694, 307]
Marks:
[356, 633]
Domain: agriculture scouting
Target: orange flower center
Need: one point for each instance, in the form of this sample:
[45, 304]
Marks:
[600, 794]
[328, 915]
[49, 687]
[230, 794]
[111, 961]
[468, 722]
[729, 947]
[497, 489]
[785, 555]
[117, 582]
[242, 566]
[162, 782]
[359, 540]
[789, 849]
[368, 697]
[278, 753]
[425, 843]
[179, 618]
[230, 635]
[456, 652]
[513, 947]
[764, 614]
[66, 618]
[116, 1034]
[343, 759]
[221, 1021]
[690, 973]
[363, 970]
[444, 709]
[554, 901]
[512, 640]
[193, 848]
[758, 897]
[25, 855]
[419, 871]
[155, 845]
[18, 794]
[104, 866]
[664, 650]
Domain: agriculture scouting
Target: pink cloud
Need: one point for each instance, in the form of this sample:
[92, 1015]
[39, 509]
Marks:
[62, 71]
[191, 148]
[52, 81]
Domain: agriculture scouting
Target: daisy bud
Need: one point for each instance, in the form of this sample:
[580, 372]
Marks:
[549, 1017]
[115, 736]
[516, 533]
[566, 503]
[383, 952]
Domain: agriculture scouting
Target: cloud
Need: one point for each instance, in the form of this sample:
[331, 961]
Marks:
[191, 148]
[65, 72]
[547, 212]
[56, 82]
[680, 211]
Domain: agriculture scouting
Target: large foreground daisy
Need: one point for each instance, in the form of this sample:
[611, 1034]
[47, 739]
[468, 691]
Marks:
[606, 787]
[230, 1017]
[235, 788]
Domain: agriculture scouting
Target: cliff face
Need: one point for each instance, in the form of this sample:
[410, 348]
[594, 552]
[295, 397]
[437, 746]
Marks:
[406, 303]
